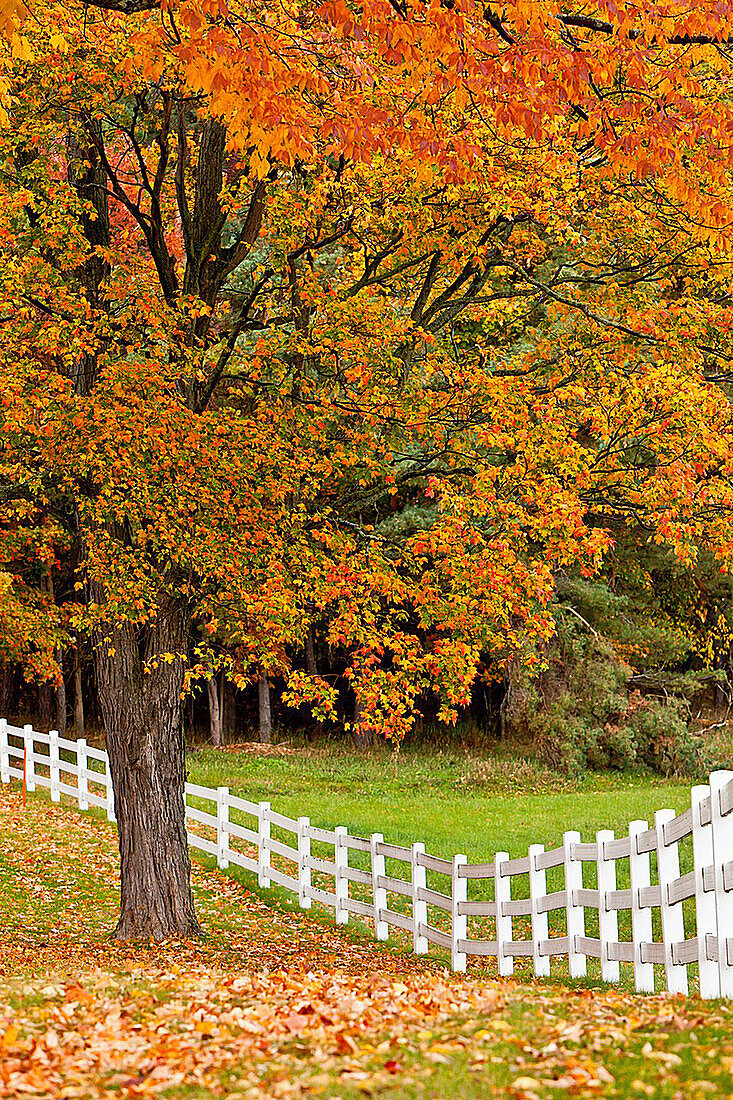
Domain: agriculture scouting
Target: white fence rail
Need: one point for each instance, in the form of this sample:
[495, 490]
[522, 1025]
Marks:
[674, 920]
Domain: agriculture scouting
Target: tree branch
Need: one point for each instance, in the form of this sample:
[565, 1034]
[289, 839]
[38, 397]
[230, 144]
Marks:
[125, 7]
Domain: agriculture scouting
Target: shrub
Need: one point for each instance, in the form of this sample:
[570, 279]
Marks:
[583, 716]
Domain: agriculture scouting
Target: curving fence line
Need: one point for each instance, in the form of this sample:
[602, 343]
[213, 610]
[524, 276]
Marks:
[675, 922]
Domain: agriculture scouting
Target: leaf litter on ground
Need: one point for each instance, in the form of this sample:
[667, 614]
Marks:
[277, 1004]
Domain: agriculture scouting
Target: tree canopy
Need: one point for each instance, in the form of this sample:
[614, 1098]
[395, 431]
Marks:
[377, 317]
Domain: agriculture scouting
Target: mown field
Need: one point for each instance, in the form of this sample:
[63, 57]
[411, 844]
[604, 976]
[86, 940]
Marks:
[451, 801]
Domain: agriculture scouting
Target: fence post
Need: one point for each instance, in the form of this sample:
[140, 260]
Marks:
[222, 827]
[381, 928]
[53, 765]
[30, 768]
[502, 893]
[341, 859]
[82, 780]
[304, 871]
[575, 912]
[263, 836]
[607, 918]
[673, 924]
[419, 906]
[722, 828]
[705, 914]
[540, 923]
[109, 789]
[459, 920]
[641, 919]
[4, 753]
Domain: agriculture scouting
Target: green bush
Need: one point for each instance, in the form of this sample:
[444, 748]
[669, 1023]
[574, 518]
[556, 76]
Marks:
[581, 714]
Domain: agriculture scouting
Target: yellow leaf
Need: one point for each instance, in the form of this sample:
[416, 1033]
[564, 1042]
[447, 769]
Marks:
[21, 48]
[10, 1037]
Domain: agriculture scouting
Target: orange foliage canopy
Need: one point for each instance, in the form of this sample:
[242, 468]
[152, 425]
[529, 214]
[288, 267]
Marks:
[372, 317]
[635, 82]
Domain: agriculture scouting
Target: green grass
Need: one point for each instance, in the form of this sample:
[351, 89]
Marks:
[433, 797]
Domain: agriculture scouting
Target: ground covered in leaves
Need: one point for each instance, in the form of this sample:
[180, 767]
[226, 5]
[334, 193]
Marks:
[279, 1004]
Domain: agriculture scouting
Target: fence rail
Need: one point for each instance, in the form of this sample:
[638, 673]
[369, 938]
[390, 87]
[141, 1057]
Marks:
[677, 919]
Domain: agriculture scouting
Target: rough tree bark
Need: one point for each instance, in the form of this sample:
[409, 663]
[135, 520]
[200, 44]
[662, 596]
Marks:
[140, 697]
[139, 691]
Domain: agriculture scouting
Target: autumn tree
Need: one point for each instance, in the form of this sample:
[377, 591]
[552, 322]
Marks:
[371, 317]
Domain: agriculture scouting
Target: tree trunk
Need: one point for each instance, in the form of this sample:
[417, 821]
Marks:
[61, 696]
[45, 689]
[8, 697]
[310, 653]
[140, 678]
[227, 708]
[45, 705]
[214, 715]
[265, 710]
[78, 696]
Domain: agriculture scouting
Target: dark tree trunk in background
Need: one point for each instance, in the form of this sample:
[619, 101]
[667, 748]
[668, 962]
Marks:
[142, 713]
[310, 653]
[45, 705]
[61, 696]
[513, 709]
[89, 180]
[265, 710]
[214, 715]
[45, 689]
[227, 709]
[8, 698]
[78, 696]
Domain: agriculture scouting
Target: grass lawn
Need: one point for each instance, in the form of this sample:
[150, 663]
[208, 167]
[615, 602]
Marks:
[452, 802]
[277, 1004]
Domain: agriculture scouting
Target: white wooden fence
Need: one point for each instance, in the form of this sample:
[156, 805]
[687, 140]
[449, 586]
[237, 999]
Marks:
[656, 908]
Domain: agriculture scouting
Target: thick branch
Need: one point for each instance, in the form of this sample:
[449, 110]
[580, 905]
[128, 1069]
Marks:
[601, 26]
[125, 7]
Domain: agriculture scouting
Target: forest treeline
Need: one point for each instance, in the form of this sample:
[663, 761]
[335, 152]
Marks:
[637, 670]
